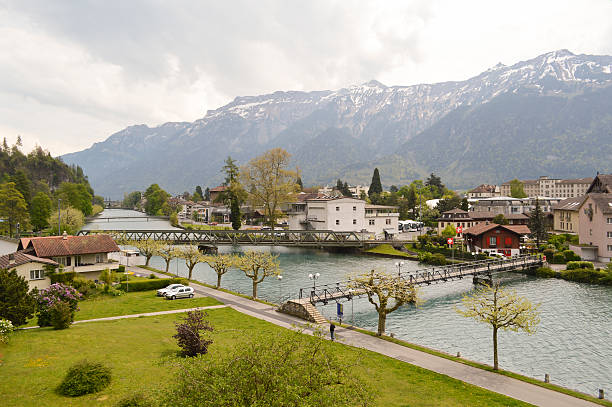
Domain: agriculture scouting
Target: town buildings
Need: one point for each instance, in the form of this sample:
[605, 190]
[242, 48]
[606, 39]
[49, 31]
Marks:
[495, 239]
[551, 187]
[566, 216]
[484, 191]
[507, 206]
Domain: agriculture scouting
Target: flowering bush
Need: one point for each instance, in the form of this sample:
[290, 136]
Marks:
[57, 292]
[6, 327]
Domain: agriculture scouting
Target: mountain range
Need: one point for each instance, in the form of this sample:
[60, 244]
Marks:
[550, 115]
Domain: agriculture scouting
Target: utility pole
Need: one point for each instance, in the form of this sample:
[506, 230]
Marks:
[59, 217]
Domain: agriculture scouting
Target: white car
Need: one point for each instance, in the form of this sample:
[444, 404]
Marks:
[180, 292]
[163, 291]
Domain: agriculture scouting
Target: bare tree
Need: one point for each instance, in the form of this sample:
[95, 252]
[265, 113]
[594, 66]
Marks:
[257, 266]
[386, 292]
[147, 248]
[167, 252]
[192, 256]
[501, 309]
[221, 263]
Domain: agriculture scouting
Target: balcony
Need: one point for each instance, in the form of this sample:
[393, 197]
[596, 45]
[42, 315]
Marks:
[86, 268]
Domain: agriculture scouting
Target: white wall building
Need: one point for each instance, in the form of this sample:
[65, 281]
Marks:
[343, 215]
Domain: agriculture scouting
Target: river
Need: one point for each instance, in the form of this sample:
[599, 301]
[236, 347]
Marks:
[573, 342]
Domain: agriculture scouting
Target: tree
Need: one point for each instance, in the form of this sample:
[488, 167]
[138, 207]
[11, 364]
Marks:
[269, 182]
[72, 221]
[500, 219]
[257, 266]
[132, 199]
[465, 205]
[192, 256]
[23, 184]
[375, 185]
[387, 290]
[537, 224]
[17, 304]
[299, 183]
[235, 215]
[13, 207]
[502, 309]
[221, 264]
[448, 204]
[234, 195]
[207, 194]
[167, 252]
[393, 188]
[516, 189]
[437, 187]
[198, 195]
[40, 210]
[156, 198]
[283, 368]
[449, 231]
[76, 196]
[189, 333]
[148, 248]
[198, 191]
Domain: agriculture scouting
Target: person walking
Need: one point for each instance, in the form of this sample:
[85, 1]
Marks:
[332, 328]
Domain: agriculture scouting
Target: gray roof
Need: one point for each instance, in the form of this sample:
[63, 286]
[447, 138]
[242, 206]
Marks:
[570, 204]
[11, 260]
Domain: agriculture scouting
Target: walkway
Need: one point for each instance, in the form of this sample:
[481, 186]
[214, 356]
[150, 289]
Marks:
[514, 388]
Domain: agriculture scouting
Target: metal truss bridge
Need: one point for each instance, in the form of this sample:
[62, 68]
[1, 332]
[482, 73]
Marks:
[303, 238]
[342, 289]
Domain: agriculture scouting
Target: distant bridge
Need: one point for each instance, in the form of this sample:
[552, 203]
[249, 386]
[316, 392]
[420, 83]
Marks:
[134, 218]
[301, 238]
[336, 291]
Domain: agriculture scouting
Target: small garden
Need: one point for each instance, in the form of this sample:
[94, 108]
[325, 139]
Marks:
[579, 272]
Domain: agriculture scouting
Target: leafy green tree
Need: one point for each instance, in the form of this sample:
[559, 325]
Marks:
[235, 215]
[167, 252]
[386, 292]
[221, 264]
[393, 188]
[17, 303]
[156, 198]
[501, 309]
[500, 219]
[76, 196]
[448, 204]
[148, 248]
[207, 194]
[198, 195]
[375, 185]
[98, 200]
[299, 183]
[40, 210]
[192, 256]
[436, 185]
[13, 207]
[198, 191]
[132, 199]
[23, 184]
[283, 368]
[537, 224]
[72, 221]
[516, 189]
[464, 205]
[449, 231]
[234, 195]
[257, 266]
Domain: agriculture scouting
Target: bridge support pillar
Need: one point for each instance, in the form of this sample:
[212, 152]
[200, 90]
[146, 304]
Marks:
[208, 249]
[483, 280]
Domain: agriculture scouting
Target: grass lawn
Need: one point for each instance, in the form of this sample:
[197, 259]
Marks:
[132, 303]
[388, 250]
[138, 351]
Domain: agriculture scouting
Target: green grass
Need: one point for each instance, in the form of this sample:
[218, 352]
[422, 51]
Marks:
[489, 368]
[388, 250]
[139, 352]
[204, 227]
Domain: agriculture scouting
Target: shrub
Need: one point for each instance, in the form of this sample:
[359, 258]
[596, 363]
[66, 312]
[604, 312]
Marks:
[64, 278]
[189, 333]
[570, 256]
[558, 258]
[573, 265]
[136, 400]
[549, 253]
[86, 287]
[85, 377]
[588, 275]
[56, 293]
[155, 284]
[60, 315]
[17, 303]
[6, 327]
[121, 268]
[545, 272]
[152, 276]
[435, 259]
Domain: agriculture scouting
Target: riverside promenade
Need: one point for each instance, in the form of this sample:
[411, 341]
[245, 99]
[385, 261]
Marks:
[495, 382]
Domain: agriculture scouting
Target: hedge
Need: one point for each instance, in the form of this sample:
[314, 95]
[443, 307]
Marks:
[545, 272]
[153, 284]
[570, 256]
[558, 258]
[573, 265]
[588, 275]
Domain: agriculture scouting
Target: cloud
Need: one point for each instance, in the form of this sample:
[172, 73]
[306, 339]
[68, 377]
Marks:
[73, 72]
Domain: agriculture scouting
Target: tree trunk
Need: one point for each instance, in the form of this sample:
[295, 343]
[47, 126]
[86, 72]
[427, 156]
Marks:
[495, 361]
[168, 265]
[147, 262]
[190, 271]
[255, 288]
[382, 319]
[219, 280]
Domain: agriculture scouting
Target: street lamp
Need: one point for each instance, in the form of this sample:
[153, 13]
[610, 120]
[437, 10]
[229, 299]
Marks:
[399, 267]
[314, 277]
[59, 217]
[280, 286]
[351, 291]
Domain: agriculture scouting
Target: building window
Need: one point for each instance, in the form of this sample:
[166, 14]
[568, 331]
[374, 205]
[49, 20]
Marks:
[610, 247]
[354, 221]
[337, 209]
[371, 222]
[354, 209]
[77, 261]
[610, 234]
[37, 274]
[609, 221]
[492, 241]
[98, 258]
[337, 221]
[388, 221]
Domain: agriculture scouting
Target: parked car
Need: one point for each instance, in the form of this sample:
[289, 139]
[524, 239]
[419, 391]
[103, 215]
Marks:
[180, 292]
[163, 291]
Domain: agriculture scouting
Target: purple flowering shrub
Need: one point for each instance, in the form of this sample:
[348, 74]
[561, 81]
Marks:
[47, 298]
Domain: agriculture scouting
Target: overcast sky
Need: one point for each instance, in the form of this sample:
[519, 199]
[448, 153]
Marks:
[74, 72]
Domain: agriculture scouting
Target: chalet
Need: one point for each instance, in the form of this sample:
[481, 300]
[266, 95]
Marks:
[495, 239]
[30, 267]
[85, 255]
[455, 217]
[484, 191]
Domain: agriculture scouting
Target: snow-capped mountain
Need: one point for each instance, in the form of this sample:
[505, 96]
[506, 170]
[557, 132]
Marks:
[331, 134]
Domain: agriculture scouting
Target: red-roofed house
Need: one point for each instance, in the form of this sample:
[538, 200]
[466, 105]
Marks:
[30, 267]
[86, 255]
[495, 239]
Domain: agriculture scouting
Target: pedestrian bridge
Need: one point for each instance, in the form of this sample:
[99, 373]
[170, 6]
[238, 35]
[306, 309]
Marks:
[301, 238]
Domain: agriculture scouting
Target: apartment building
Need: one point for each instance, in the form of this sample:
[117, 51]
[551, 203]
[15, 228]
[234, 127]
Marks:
[551, 187]
[566, 216]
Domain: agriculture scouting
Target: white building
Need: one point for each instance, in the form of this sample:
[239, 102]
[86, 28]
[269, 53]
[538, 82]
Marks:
[343, 215]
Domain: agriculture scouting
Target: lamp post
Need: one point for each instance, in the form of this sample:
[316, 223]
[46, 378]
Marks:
[280, 287]
[59, 217]
[351, 291]
[314, 277]
[399, 267]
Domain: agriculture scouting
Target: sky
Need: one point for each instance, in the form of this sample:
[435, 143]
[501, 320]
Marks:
[74, 72]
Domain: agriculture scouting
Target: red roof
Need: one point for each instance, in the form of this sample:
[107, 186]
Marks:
[52, 246]
[481, 228]
[218, 189]
[19, 258]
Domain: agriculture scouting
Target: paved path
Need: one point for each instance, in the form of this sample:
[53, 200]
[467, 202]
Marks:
[514, 388]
